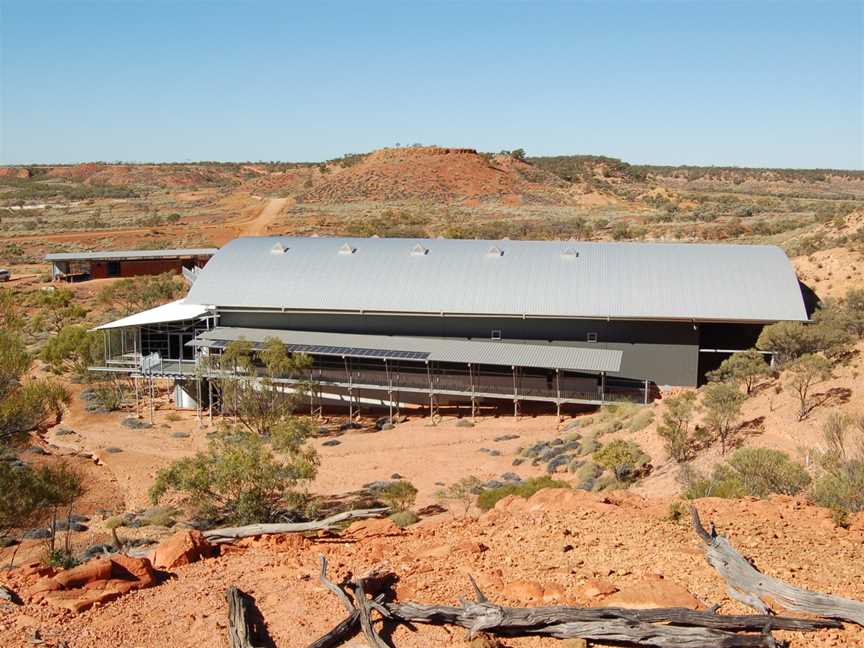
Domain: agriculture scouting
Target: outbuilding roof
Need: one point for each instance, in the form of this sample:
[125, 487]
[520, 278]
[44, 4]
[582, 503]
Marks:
[418, 349]
[111, 255]
[176, 311]
[653, 281]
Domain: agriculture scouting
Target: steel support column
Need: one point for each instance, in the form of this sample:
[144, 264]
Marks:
[558, 394]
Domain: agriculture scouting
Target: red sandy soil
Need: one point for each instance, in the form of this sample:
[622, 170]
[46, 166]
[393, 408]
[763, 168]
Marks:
[543, 551]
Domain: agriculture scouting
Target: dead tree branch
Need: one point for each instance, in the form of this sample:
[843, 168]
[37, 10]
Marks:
[239, 626]
[662, 628]
[747, 585]
[230, 534]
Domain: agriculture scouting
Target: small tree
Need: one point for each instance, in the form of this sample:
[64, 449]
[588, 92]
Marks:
[61, 485]
[622, 457]
[518, 154]
[722, 403]
[57, 309]
[675, 431]
[399, 495]
[463, 491]
[786, 340]
[260, 402]
[140, 293]
[803, 375]
[74, 349]
[745, 368]
[243, 477]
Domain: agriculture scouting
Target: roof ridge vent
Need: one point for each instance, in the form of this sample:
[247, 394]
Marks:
[278, 248]
[570, 252]
[419, 250]
[347, 248]
[495, 251]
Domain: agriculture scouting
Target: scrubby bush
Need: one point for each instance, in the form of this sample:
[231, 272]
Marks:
[242, 477]
[56, 309]
[840, 486]
[680, 440]
[73, 349]
[398, 495]
[829, 334]
[756, 472]
[140, 293]
[624, 458]
[463, 491]
[404, 519]
[722, 403]
[489, 498]
[641, 420]
[586, 475]
[108, 395]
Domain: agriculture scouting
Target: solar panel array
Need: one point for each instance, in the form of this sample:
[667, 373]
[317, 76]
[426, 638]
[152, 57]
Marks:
[356, 352]
[320, 349]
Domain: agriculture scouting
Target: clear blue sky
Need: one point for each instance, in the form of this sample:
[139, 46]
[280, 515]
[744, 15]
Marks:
[700, 82]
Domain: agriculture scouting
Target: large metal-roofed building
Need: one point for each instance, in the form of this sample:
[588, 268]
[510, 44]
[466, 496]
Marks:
[610, 319]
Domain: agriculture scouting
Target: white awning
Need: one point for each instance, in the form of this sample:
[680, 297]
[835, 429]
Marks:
[176, 311]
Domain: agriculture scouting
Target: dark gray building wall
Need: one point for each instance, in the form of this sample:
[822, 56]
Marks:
[667, 353]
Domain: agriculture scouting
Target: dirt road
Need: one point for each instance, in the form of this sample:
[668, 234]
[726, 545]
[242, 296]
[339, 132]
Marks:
[258, 226]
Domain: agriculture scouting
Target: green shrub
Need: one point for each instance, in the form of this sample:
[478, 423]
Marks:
[489, 498]
[404, 519]
[243, 477]
[399, 495]
[463, 491]
[745, 368]
[625, 459]
[641, 420]
[159, 516]
[680, 441]
[756, 472]
[109, 395]
[677, 512]
[586, 475]
[842, 489]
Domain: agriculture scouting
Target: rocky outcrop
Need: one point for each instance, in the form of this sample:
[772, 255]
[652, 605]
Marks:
[92, 583]
[653, 593]
[182, 548]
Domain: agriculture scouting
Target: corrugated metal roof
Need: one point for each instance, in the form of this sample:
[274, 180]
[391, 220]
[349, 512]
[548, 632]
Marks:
[748, 283]
[176, 311]
[130, 254]
[544, 356]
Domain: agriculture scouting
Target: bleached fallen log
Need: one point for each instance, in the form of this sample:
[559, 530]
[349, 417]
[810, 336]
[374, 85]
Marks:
[527, 618]
[662, 628]
[749, 586]
[229, 534]
[610, 625]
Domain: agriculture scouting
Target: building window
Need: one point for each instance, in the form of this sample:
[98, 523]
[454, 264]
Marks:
[592, 337]
[113, 268]
[496, 334]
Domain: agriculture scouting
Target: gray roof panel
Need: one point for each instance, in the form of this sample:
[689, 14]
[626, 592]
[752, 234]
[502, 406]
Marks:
[418, 349]
[663, 281]
[130, 254]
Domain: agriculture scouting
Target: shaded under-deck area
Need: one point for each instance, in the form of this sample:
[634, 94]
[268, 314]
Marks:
[360, 370]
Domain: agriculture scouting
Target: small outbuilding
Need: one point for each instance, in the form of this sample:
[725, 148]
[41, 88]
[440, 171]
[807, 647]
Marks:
[81, 266]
